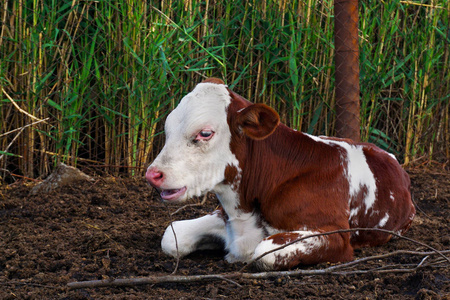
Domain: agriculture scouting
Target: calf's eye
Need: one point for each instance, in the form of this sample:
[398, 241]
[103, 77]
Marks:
[204, 135]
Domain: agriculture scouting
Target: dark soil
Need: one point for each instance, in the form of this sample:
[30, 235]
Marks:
[111, 228]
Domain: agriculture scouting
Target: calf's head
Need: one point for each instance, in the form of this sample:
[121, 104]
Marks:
[199, 133]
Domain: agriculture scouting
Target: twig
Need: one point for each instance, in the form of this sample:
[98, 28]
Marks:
[98, 164]
[178, 253]
[176, 241]
[190, 205]
[417, 206]
[422, 261]
[20, 109]
[196, 72]
[18, 134]
[21, 176]
[110, 166]
[21, 128]
[232, 281]
[146, 280]
[173, 230]
[230, 277]
[333, 270]
[235, 275]
[69, 156]
[377, 257]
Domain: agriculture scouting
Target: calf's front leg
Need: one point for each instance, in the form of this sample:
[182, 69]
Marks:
[184, 237]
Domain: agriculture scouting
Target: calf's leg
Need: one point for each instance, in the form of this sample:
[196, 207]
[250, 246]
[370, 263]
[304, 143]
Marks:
[313, 250]
[184, 237]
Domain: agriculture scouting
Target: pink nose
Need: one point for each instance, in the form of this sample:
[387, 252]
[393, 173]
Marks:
[154, 177]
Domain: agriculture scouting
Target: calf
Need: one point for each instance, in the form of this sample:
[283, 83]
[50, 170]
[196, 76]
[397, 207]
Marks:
[274, 184]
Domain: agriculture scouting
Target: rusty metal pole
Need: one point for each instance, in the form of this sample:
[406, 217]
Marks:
[347, 68]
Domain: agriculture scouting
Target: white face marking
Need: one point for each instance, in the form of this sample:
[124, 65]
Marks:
[200, 165]
[286, 254]
[196, 164]
[358, 172]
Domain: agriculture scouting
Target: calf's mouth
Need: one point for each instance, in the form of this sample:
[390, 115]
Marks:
[172, 194]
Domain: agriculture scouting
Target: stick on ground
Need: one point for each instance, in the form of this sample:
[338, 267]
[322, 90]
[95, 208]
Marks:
[340, 269]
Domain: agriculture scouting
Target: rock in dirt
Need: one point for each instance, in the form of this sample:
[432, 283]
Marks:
[61, 176]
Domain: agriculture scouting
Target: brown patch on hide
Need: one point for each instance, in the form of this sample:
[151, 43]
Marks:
[213, 80]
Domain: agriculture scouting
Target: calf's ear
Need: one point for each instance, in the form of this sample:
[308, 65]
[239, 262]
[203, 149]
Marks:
[258, 121]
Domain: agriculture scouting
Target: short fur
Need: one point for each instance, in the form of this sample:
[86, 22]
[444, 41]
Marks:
[278, 184]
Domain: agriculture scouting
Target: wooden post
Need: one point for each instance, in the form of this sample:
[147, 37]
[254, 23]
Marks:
[347, 69]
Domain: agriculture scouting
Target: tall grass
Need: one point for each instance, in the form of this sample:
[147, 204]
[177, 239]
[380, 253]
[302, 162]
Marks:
[405, 78]
[106, 73]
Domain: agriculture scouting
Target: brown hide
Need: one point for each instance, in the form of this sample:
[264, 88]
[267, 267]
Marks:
[296, 182]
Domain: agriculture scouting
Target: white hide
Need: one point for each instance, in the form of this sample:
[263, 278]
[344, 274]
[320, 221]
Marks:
[383, 221]
[358, 172]
[191, 235]
[304, 247]
[197, 165]
[243, 235]
[391, 196]
[240, 234]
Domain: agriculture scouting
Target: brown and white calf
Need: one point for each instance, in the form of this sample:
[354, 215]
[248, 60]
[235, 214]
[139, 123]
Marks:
[274, 184]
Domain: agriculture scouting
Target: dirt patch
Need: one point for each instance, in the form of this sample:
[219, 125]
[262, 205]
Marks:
[111, 228]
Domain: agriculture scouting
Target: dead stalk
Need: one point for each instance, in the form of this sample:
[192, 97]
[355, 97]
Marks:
[20, 109]
[230, 277]
[21, 128]
[17, 135]
[176, 241]
[190, 205]
[340, 269]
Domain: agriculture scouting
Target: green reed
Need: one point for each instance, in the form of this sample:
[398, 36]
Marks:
[106, 73]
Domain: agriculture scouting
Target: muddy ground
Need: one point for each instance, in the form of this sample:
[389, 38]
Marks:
[112, 227]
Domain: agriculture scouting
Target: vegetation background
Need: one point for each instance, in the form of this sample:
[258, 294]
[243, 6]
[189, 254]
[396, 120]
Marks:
[90, 82]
